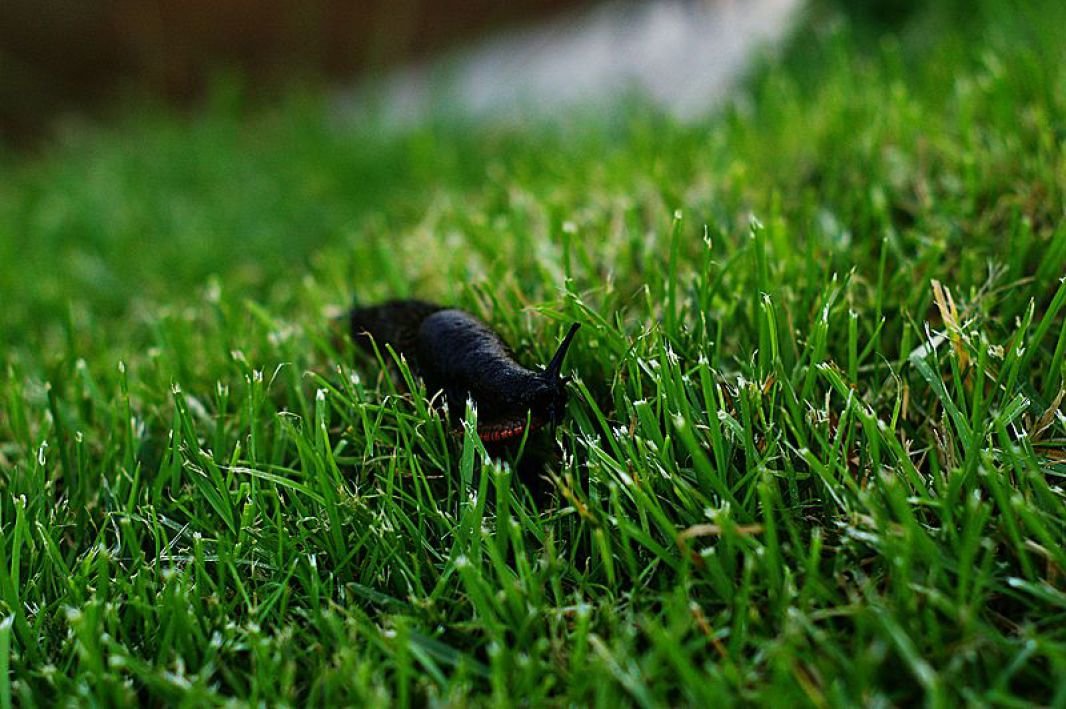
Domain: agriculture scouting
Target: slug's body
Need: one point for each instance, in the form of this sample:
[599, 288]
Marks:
[457, 354]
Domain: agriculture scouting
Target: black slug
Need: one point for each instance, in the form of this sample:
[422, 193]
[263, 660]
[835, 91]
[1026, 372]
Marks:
[457, 354]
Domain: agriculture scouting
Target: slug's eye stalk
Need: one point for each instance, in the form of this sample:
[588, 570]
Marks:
[556, 364]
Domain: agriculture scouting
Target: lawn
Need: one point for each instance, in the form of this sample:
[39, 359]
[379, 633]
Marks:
[814, 452]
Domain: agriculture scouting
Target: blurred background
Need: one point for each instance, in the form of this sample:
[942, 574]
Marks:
[63, 57]
[146, 145]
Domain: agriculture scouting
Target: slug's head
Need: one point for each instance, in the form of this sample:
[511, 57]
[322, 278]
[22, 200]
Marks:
[542, 403]
[552, 399]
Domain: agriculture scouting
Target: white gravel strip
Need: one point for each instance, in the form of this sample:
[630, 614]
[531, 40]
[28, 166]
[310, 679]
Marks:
[685, 55]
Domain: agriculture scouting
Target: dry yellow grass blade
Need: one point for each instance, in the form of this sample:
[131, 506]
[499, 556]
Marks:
[950, 315]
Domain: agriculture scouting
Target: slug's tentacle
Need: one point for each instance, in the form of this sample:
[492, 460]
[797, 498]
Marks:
[556, 364]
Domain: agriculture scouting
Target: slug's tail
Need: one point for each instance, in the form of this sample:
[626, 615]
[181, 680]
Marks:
[395, 323]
